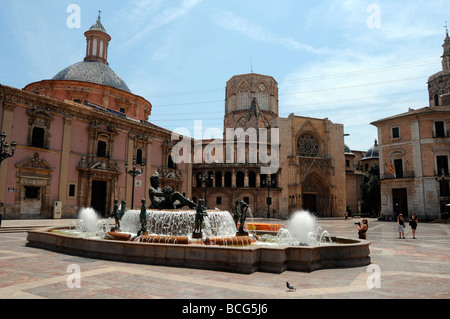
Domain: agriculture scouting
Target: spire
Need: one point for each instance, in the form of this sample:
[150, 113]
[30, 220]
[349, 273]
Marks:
[97, 42]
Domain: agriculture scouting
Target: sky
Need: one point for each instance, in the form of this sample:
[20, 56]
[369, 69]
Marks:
[351, 61]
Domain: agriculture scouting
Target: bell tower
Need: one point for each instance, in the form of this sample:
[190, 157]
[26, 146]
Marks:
[97, 43]
[251, 101]
[446, 56]
[439, 83]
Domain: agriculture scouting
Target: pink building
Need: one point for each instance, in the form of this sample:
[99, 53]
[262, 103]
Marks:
[74, 134]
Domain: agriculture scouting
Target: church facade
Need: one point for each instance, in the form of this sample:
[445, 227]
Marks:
[74, 135]
[311, 165]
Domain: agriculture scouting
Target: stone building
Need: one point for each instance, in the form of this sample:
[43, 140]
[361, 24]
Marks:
[74, 134]
[417, 143]
[311, 168]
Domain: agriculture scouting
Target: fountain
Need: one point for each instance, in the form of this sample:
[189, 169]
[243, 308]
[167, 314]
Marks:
[201, 238]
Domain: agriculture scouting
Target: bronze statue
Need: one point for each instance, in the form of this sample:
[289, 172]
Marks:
[243, 216]
[123, 209]
[166, 198]
[143, 218]
[116, 214]
[199, 216]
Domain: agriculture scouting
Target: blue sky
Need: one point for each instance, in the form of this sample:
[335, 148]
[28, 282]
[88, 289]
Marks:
[332, 59]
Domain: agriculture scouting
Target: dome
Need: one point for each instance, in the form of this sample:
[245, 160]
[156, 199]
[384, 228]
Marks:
[94, 72]
[372, 153]
[347, 150]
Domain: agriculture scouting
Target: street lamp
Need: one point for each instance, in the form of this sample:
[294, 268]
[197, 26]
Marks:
[134, 172]
[443, 183]
[4, 148]
[268, 182]
[206, 178]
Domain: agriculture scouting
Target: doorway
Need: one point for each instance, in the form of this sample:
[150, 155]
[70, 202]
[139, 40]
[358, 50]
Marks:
[400, 200]
[98, 197]
[310, 203]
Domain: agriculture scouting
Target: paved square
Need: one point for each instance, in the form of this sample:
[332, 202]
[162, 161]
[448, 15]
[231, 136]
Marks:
[408, 268]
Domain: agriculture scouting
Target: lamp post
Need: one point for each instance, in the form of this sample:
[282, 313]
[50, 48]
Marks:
[4, 148]
[444, 192]
[133, 173]
[206, 178]
[268, 182]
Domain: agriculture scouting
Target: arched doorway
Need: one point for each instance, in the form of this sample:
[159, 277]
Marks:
[316, 197]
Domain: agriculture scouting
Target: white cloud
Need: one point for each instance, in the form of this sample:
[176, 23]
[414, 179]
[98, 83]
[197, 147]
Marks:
[230, 21]
[164, 18]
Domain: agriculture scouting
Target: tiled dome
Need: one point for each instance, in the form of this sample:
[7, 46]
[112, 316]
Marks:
[94, 72]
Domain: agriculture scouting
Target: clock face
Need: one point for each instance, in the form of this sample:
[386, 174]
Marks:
[262, 87]
[307, 146]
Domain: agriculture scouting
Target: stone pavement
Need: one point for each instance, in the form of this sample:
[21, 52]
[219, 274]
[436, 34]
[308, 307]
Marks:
[401, 269]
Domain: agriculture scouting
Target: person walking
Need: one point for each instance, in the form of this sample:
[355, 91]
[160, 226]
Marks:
[413, 221]
[401, 227]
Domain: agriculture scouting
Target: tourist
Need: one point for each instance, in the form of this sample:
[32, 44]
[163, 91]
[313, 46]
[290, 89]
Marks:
[413, 220]
[401, 227]
[362, 229]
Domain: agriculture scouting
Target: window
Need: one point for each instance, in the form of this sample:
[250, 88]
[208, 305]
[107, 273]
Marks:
[218, 177]
[72, 190]
[240, 179]
[228, 179]
[218, 200]
[139, 156]
[398, 164]
[439, 129]
[170, 163]
[307, 146]
[247, 200]
[347, 163]
[252, 179]
[122, 110]
[101, 149]
[38, 137]
[396, 132]
[436, 100]
[442, 164]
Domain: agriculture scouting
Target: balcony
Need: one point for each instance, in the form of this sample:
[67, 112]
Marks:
[402, 175]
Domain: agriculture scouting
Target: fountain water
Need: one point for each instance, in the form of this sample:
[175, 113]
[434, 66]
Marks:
[179, 223]
[302, 246]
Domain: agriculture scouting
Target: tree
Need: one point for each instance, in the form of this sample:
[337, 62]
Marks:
[370, 191]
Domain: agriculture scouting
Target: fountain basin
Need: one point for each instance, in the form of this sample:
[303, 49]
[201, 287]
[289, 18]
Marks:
[248, 259]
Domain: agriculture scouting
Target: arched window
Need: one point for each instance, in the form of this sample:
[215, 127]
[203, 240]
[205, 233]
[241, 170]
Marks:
[262, 96]
[436, 99]
[240, 176]
[228, 179]
[244, 97]
[251, 179]
[218, 177]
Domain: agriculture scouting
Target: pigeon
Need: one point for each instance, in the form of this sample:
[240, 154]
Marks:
[291, 288]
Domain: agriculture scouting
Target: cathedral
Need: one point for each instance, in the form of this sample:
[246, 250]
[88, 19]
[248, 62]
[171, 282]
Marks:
[83, 140]
[310, 174]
